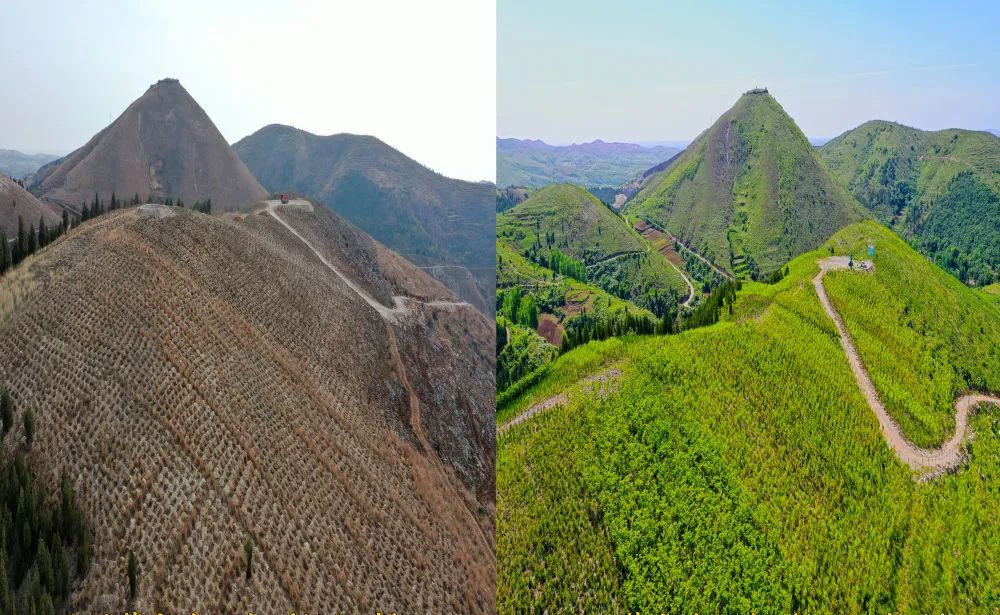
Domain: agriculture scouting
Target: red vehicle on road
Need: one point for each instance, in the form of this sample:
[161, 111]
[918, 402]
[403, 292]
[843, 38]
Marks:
[284, 198]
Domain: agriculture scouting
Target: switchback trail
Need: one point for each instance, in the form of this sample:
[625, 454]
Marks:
[937, 461]
[687, 302]
[391, 314]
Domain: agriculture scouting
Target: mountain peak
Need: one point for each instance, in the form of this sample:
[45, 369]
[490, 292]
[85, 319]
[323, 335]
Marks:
[750, 191]
[162, 145]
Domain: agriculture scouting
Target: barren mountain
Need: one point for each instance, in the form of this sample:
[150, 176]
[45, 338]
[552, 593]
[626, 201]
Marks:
[163, 145]
[432, 220]
[16, 202]
[275, 377]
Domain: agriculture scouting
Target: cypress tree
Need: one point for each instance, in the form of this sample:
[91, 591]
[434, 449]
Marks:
[6, 411]
[133, 574]
[29, 426]
[31, 240]
[22, 241]
[249, 549]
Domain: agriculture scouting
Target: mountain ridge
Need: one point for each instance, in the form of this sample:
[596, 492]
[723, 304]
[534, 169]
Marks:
[433, 220]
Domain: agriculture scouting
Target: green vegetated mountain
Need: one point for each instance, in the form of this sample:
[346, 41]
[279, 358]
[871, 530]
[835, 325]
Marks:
[430, 219]
[940, 189]
[739, 467]
[749, 193]
[534, 163]
[567, 221]
[163, 145]
[569, 269]
[18, 164]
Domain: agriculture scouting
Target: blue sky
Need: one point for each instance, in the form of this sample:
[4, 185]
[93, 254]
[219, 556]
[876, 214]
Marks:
[569, 71]
[418, 76]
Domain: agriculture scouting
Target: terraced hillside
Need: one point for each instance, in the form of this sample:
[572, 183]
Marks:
[569, 221]
[430, 219]
[163, 145]
[940, 189]
[749, 193]
[741, 468]
[537, 308]
[275, 378]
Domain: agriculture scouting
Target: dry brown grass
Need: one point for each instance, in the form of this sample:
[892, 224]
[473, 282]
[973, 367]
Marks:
[207, 379]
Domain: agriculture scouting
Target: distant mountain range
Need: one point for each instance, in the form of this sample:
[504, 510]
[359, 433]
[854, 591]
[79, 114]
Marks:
[533, 163]
[18, 164]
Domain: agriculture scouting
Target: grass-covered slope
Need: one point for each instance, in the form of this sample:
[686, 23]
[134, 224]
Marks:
[738, 467]
[942, 189]
[750, 192]
[573, 222]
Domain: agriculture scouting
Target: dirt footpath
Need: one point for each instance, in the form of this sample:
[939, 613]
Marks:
[931, 462]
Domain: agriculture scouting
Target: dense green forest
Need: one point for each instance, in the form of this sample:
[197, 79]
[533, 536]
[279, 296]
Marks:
[738, 468]
[939, 189]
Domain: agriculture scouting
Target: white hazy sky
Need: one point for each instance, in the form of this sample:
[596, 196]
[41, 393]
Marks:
[421, 76]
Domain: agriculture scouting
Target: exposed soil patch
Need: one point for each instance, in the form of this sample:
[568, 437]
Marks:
[550, 329]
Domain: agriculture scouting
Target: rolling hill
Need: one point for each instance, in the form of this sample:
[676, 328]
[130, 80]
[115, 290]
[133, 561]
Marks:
[533, 163]
[163, 146]
[749, 193]
[432, 220]
[275, 379]
[16, 202]
[940, 189]
[742, 467]
[569, 220]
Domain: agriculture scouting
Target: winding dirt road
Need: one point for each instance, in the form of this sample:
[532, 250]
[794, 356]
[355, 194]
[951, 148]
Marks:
[931, 462]
[391, 314]
[687, 302]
